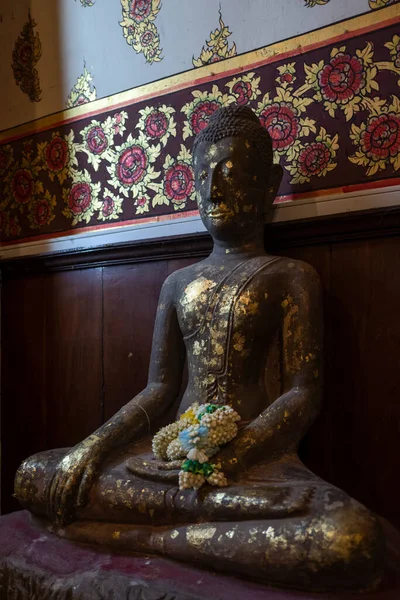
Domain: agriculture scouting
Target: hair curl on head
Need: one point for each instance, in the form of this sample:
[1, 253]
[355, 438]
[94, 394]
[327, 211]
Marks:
[237, 121]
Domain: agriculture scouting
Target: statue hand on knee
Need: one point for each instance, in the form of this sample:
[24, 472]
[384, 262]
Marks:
[73, 479]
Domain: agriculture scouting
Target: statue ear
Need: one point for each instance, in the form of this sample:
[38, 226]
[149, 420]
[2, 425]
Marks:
[274, 181]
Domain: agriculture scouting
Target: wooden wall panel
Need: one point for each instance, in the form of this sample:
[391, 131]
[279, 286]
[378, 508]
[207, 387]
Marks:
[23, 409]
[51, 367]
[130, 302]
[180, 263]
[365, 367]
[73, 368]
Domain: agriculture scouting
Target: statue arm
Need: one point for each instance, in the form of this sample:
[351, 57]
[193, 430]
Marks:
[284, 423]
[77, 471]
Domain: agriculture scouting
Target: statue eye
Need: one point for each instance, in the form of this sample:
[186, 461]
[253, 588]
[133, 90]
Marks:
[203, 175]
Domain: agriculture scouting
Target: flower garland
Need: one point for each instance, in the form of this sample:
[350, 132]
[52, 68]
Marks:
[196, 437]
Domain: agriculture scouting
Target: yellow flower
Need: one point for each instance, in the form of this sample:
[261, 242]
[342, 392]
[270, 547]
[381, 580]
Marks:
[190, 415]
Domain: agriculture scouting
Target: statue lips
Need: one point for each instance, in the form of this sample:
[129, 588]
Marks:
[220, 214]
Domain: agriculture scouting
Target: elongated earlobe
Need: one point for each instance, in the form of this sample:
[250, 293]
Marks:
[274, 181]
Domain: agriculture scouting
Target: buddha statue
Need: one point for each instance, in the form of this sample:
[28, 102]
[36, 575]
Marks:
[242, 318]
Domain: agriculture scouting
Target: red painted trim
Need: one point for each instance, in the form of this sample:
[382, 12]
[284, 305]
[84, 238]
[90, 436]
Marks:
[208, 78]
[383, 183]
[115, 225]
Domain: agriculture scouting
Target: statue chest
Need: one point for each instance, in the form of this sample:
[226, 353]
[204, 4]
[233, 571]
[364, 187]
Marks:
[209, 313]
[225, 321]
[236, 298]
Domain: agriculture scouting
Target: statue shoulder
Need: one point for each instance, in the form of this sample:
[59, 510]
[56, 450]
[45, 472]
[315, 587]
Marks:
[294, 266]
[297, 272]
[173, 283]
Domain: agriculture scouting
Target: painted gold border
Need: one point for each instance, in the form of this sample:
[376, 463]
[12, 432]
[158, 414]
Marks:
[256, 58]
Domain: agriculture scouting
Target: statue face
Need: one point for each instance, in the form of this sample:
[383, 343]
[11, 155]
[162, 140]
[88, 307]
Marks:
[231, 186]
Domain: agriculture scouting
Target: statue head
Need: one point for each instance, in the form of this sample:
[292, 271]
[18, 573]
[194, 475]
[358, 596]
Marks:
[236, 180]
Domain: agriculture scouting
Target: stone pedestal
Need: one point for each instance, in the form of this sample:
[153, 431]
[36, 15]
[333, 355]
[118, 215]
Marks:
[35, 565]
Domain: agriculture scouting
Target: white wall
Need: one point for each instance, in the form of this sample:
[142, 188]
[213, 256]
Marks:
[73, 35]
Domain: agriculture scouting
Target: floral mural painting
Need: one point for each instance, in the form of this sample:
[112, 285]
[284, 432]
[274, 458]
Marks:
[26, 54]
[58, 156]
[87, 2]
[81, 198]
[158, 123]
[244, 88]
[177, 188]
[378, 138]
[344, 82]
[139, 28]
[199, 110]
[217, 47]
[131, 169]
[333, 114]
[83, 91]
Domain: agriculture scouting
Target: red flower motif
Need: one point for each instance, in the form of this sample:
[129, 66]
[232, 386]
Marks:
[156, 124]
[178, 182]
[381, 139]
[132, 165]
[314, 159]
[79, 198]
[201, 114]
[96, 140]
[27, 147]
[140, 10]
[141, 201]
[151, 52]
[25, 54]
[286, 78]
[243, 92]
[57, 154]
[342, 78]
[214, 58]
[397, 59]
[147, 38]
[81, 99]
[108, 206]
[14, 227]
[281, 123]
[41, 212]
[22, 186]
